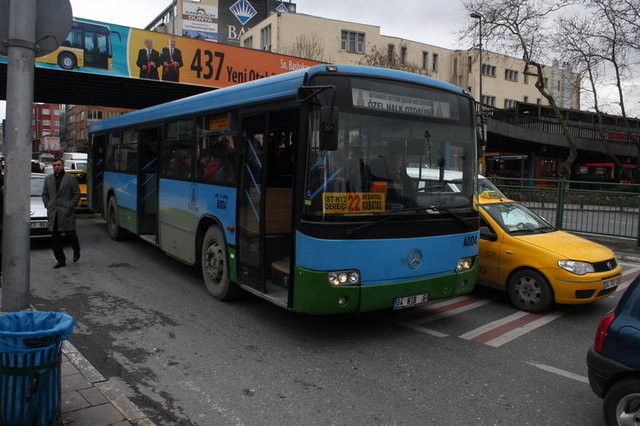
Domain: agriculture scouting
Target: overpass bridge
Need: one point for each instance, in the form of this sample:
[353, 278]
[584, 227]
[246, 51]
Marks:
[101, 64]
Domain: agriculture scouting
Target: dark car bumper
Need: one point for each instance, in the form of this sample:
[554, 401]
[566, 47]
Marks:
[602, 370]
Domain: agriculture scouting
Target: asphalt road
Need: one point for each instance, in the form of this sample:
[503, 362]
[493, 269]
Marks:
[146, 321]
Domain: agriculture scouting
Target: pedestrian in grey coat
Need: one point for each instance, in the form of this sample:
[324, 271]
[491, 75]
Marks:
[60, 195]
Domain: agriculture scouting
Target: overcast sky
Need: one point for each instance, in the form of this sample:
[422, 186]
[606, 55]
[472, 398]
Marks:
[433, 22]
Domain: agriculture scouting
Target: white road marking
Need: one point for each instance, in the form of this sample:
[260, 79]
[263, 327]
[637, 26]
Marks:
[492, 325]
[520, 331]
[559, 372]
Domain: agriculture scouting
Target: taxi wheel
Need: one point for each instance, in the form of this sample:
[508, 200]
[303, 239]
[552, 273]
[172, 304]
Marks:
[215, 268]
[530, 291]
[622, 402]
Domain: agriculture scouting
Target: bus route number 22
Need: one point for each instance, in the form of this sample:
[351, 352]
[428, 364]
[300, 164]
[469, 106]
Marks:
[205, 60]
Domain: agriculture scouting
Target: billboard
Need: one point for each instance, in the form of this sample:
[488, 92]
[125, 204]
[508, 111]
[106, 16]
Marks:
[110, 49]
[237, 16]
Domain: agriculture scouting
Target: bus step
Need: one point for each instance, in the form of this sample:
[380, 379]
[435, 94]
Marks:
[280, 272]
[150, 238]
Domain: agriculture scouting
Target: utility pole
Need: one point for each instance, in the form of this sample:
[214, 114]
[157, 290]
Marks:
[17, 178]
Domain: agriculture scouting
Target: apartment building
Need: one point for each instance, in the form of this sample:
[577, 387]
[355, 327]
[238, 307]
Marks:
[77, 120]
[504, 80]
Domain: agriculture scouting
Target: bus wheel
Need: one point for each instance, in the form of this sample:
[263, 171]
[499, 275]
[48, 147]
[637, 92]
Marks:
[115, 231]
[215, 269]
[67, 61]
[530, 291]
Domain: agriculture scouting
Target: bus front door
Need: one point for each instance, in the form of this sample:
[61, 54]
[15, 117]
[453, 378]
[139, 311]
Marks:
[148, 182]
[250, 237]
[95, 173]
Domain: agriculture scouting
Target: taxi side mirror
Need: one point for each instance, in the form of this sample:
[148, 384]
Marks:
[487, 234]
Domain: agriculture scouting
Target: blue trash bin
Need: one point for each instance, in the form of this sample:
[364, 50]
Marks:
[30, 354]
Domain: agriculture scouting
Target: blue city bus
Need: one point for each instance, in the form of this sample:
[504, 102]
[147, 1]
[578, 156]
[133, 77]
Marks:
[294, 187]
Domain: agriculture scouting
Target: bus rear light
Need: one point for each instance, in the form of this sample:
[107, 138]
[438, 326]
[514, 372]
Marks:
[339, 278]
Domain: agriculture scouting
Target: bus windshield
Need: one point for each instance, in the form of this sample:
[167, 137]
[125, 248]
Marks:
[398, 148]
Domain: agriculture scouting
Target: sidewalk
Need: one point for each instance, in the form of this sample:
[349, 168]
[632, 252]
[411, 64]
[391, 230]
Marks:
[90, 399]
[624, 248]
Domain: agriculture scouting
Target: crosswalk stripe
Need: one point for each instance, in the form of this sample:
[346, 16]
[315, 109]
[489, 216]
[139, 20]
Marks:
[559, 372]
[488, 328]
[524, 329]
[431, 315]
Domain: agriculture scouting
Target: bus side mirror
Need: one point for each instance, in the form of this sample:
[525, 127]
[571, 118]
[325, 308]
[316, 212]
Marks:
[328, 128]
[480, 134]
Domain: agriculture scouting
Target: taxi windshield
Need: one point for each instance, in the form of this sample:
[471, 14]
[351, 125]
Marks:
[514, 218]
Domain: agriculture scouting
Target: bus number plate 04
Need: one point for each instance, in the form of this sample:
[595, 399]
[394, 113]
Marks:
[409, 301]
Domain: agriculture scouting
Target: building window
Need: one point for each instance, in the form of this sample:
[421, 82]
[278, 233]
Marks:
[511, 75]
[526, 99]
[265, 38]
[434, 67]
[248, 42]
[56, 112]
[391, 53]
[526, 78]
[470, 61]
[489, 70]
[94, 114]
[46, 123]
[545, 82]
[510, 103]
[489, 100]
[538, 101]
[558, 84]
[46, 111]
[403, 55]
[425, 60]
[352, 41]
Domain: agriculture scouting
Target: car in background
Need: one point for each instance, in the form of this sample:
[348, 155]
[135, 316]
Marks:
[537, 264]
[614, 360]
[81, 175]
[38, 211]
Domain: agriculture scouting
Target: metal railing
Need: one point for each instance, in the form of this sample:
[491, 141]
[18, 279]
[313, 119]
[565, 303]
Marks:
[591, 207]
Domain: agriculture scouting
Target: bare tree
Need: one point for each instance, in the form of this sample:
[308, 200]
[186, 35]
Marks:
[308, 46]
[520, 28]
[594, 47]
[378, 57]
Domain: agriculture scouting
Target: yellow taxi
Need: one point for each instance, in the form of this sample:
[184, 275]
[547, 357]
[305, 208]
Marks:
[537, 264]
[81, 175]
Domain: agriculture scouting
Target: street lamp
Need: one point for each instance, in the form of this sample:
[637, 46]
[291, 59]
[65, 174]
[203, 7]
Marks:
[478, 16]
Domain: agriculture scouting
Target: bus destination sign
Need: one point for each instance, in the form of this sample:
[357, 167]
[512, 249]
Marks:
[352, 202]
[388, 102]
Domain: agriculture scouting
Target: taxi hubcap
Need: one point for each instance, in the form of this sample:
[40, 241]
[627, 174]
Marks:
[528, 290]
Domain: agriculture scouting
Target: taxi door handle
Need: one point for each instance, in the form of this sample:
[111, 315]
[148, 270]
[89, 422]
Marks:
[510, 252]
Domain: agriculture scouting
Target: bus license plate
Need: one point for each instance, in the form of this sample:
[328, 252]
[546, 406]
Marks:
[611, 283]
[409, 301]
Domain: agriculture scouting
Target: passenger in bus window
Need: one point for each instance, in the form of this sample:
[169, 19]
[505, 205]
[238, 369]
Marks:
[171, 59]
[177, 168]
[148, 60]
[217, 161]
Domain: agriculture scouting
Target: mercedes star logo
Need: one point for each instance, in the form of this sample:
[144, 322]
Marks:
[414, 260]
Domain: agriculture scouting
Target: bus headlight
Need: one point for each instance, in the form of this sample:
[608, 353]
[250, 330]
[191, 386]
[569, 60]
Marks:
[576, 266]
[465, 264]
[351, 277]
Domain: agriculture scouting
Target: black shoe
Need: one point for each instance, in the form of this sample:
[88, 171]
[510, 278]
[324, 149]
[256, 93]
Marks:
[59, 264]
[76, 255]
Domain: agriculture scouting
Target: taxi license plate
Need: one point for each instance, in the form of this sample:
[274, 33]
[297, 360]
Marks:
[611, 283]
[409, 301]
[38, 224]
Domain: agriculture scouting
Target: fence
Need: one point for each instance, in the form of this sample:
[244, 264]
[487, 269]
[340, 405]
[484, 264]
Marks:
[591, 207]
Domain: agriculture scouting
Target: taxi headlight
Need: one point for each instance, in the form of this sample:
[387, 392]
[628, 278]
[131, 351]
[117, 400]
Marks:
[351, 277]
[575, 266]
[465, 264]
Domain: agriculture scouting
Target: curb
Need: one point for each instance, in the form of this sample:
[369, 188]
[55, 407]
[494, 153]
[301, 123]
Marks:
[110, 390]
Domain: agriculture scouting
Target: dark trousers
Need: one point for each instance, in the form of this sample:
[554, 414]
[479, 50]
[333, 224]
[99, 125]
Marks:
[57, 242]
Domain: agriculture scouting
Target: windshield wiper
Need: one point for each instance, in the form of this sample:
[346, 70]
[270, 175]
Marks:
[389, 214]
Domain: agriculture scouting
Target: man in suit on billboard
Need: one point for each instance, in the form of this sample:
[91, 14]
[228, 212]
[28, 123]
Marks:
[171, 60]
[148, 60]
